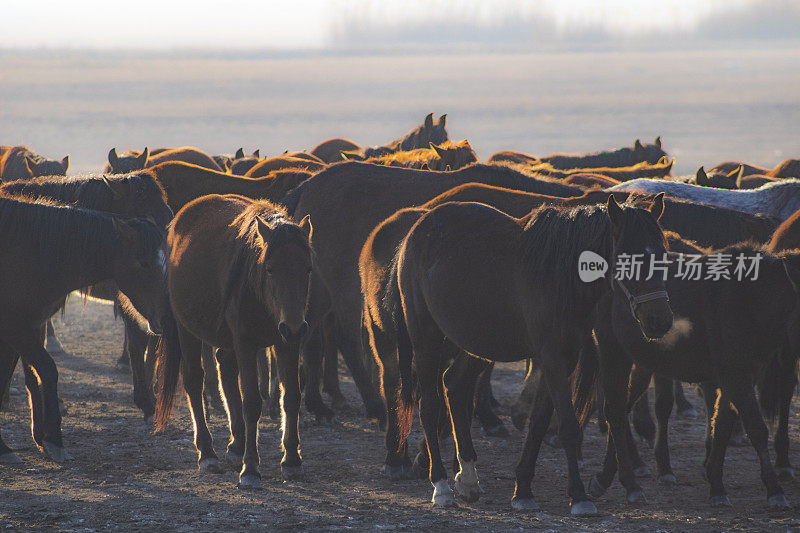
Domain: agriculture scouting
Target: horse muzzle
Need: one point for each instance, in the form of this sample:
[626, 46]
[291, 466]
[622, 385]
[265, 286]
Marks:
[293, 337]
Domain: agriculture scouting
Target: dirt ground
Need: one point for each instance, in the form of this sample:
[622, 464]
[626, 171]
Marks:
[125, 477]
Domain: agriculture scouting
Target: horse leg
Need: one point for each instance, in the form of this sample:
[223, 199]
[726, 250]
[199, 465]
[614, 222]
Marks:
[8, 362]
[287, 357]
[709, 394]
[274, 388]
[262, 364]
[639, 383]
[664, 402]
[642, 420]
[459, 390]
[484, 398]
[721, 427]
[541, 412]
[136, 342]
[41, 379]
[192, 368]
[229, 385]
[786, 383]
[744, 400]
[123, 363]
[313, 351]
[247, 361]
[211, 387]
[685, 408]
[330, 361]
[521, 410]
[556, 378]
[348, 339]
[51, 343]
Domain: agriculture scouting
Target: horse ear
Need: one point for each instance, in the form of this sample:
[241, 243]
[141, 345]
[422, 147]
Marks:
[443, 120]
[65, 163]
[285, 152]
[257, 153]
[428, 123]
[700, 177]
[663, 160]
[239, 153]
[114, 187]
[739, 176]
[668, 169]
[30, 164]
[143, 157]
[614, 210]
[657, 207]
[113, 158]
[658, 142]
[638, 145]
[306, 226]
[438, 149]
[264, 227]
[793, 274]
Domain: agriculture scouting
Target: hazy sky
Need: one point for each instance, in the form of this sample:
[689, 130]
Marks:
[311, 24]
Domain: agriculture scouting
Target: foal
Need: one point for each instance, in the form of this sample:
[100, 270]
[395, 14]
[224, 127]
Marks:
[506, 289]
[48, 252]
[238, 279]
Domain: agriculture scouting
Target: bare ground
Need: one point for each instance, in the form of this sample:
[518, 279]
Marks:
[125, 477]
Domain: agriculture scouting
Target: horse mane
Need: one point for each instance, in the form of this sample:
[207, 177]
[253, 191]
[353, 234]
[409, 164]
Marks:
[59, 230]
[251, 250]
[555, 237]
[12, 161]
[90, 191]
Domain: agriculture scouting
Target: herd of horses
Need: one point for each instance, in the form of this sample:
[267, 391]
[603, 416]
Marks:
[246, 277]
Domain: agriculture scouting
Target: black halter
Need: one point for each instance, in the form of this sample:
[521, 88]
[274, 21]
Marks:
[635, 301]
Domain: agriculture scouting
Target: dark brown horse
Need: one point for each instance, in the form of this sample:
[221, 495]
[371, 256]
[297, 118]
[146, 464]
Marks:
[346, 201]
[283, 162]
[241, 163]
[49, 251]
[420, 137]
[133, 195]
[19, 162]
[623, 157]
[527, 301]
[659, 170]
[133, 160]
[253, 264]
[726, 349]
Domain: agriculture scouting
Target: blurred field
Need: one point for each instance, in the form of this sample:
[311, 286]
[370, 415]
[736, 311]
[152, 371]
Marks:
[708, 106]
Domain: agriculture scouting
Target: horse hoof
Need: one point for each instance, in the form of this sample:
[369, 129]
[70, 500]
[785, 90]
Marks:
[595, 488]
[468, 493]
[396, 473]
[496, 431]
[211, 465]
[443, 494]
[582, 508]
[690, 412]
[524, 504]
[58, 454]
[249, 482]
[720, 501]
[291, 473]
[234, 458]
[642, 471]
[667, 480]
[778, 501]
[785, 473]
[637, 496]
[10, 458]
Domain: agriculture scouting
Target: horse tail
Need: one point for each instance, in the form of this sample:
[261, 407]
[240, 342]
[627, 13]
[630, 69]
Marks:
[585, 379]
[405, 356]
[168, 358]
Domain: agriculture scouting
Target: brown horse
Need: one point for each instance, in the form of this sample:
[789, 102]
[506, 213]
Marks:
[184, 182]
[623, 157]
[527, 301]
[729, 350]
[514, 157]
[590, 180]
[132, 195]
[253, 264]
[446, 156]
[241, 163]
[49, 251]
[420, 137]
[134, 160]
[788, 169]
[659, 170]
[346, 201]
[19, 162]
[283, 162]
[330, 151]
